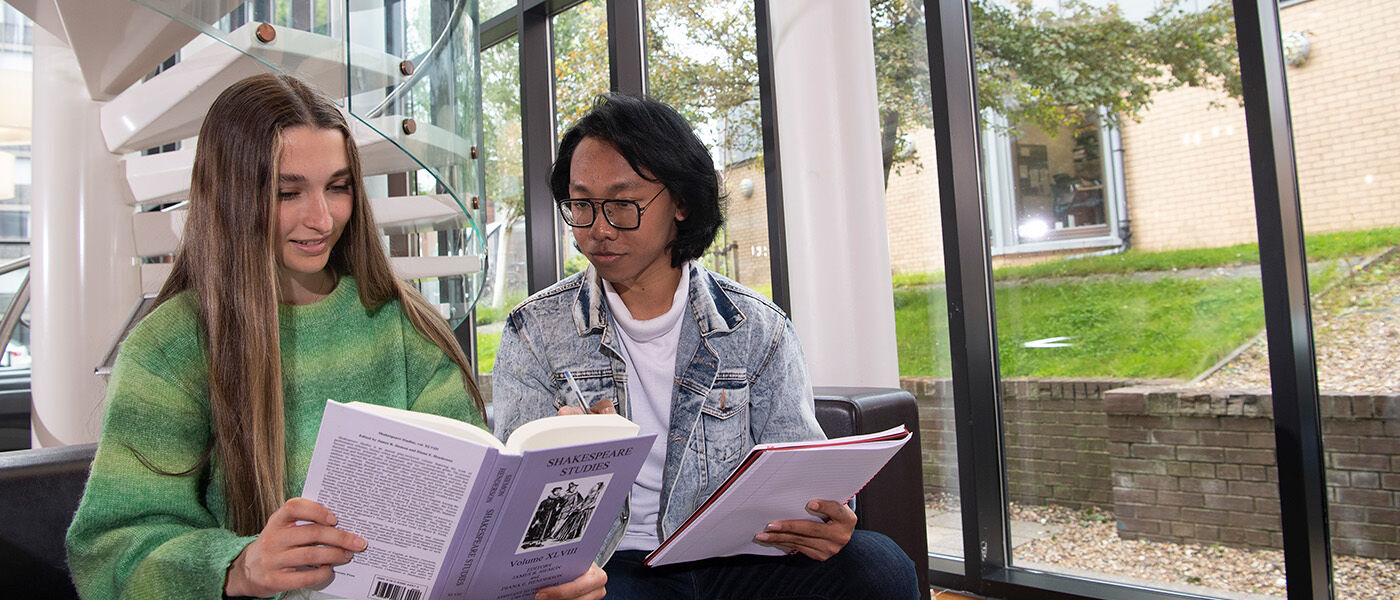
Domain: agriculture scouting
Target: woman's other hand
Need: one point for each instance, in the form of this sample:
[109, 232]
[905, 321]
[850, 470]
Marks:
[287, 556]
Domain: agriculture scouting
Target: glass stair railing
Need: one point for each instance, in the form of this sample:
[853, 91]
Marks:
[407, 76]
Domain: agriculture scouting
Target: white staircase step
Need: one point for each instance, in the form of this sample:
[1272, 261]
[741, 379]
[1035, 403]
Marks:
[158, 178]
[165, 177]
[158, 233]
[153, 275]
[389, 153]
[118, 43]
[429, 267]
[409, 214]
[172, 105]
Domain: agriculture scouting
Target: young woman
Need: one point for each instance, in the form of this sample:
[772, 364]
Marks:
[280, 297]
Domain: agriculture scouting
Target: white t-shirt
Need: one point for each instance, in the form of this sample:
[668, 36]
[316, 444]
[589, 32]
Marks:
[649, 350]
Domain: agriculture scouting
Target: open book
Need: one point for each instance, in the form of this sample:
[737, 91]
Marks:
[451, 512]
[774, 483]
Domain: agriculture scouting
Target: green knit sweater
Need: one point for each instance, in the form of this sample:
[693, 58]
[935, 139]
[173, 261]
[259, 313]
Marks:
[140, 534]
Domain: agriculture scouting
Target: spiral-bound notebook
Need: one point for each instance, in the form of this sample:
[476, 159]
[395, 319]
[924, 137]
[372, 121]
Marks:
[774, 483]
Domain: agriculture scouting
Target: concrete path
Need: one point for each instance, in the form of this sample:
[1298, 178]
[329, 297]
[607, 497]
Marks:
[945, 532]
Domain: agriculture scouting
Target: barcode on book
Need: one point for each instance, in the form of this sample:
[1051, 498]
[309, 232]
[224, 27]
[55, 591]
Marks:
[395, 591]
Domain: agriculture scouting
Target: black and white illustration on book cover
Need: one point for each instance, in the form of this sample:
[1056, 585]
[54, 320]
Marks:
[563, 511]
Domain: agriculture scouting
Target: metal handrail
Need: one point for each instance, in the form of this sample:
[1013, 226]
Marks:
[14, 265]
[17, 303]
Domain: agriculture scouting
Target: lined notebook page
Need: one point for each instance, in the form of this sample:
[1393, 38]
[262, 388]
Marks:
[776, 486]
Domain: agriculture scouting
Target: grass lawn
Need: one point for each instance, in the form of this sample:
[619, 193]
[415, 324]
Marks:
[1171, 327]
[1115, 327]
[486, 345]
[1320, 247]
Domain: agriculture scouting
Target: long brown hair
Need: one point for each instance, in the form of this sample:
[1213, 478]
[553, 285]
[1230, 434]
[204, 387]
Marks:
[228, 257]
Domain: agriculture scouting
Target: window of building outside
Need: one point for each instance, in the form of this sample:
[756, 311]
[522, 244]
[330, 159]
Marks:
[701, 59]
[1344, 141]
[16, 81]
[1052, 189]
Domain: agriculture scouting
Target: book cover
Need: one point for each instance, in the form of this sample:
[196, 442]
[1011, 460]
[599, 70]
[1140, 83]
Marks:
[555, 516]
[448, 512]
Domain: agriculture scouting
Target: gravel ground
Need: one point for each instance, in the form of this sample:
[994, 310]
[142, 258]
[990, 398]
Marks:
[1086, 543]
[1356, 336]
[1356, 332]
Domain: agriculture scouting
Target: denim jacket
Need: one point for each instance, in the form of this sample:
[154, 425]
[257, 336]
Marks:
[740, 379]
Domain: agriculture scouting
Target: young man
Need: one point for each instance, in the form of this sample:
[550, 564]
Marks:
[709, 365]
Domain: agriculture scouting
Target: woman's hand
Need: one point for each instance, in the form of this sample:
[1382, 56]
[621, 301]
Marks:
[287, 556]
[588, 586]
[816, 540]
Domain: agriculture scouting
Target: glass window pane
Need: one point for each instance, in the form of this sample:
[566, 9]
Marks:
[504, 203]
[701, 60]
[580, 74]
[916, 254]
[1126, 270]
[16, 116]
[490, 8]
[580, 60]
[1350, 198]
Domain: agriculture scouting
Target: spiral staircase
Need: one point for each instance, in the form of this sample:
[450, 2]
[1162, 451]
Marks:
[404, 71]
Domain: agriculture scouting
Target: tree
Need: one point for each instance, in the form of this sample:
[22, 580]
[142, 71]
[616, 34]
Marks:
[703, 60]
[580, 74]
[901, 77]
[1051, 68]
[580, 60]
[503, 153]
[1041, 67]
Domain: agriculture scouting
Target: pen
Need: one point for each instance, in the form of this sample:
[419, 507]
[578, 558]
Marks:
[577, 392]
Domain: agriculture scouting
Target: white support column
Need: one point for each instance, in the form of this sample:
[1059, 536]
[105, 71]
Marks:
[83, 281]
[833, 191]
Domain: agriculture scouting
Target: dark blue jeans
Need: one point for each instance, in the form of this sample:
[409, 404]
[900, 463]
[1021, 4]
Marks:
[870, 566]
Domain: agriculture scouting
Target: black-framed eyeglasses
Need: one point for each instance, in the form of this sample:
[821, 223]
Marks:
[621, 214]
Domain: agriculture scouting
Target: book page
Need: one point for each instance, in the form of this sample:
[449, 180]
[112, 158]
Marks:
[401, 487]
[438, 423]
[776, 485]
[569, 430]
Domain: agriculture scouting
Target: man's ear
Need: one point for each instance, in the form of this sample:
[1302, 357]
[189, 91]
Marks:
[682, 212]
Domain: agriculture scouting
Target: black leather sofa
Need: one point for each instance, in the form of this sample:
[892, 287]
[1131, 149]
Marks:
[40, 489]
[893, 502]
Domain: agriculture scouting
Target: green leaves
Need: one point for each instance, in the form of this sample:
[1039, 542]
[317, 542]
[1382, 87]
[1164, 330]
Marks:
[1050, 69]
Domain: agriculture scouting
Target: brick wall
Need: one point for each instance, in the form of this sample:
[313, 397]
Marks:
[1187, 156]
[747, 224]
[912, 211]
[1178, 465]
[1198, 466]
[1056, 439]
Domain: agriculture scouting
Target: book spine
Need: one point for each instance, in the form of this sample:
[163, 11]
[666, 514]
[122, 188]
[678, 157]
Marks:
[475, 535]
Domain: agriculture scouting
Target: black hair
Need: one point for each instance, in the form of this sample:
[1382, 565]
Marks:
[654, 139]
